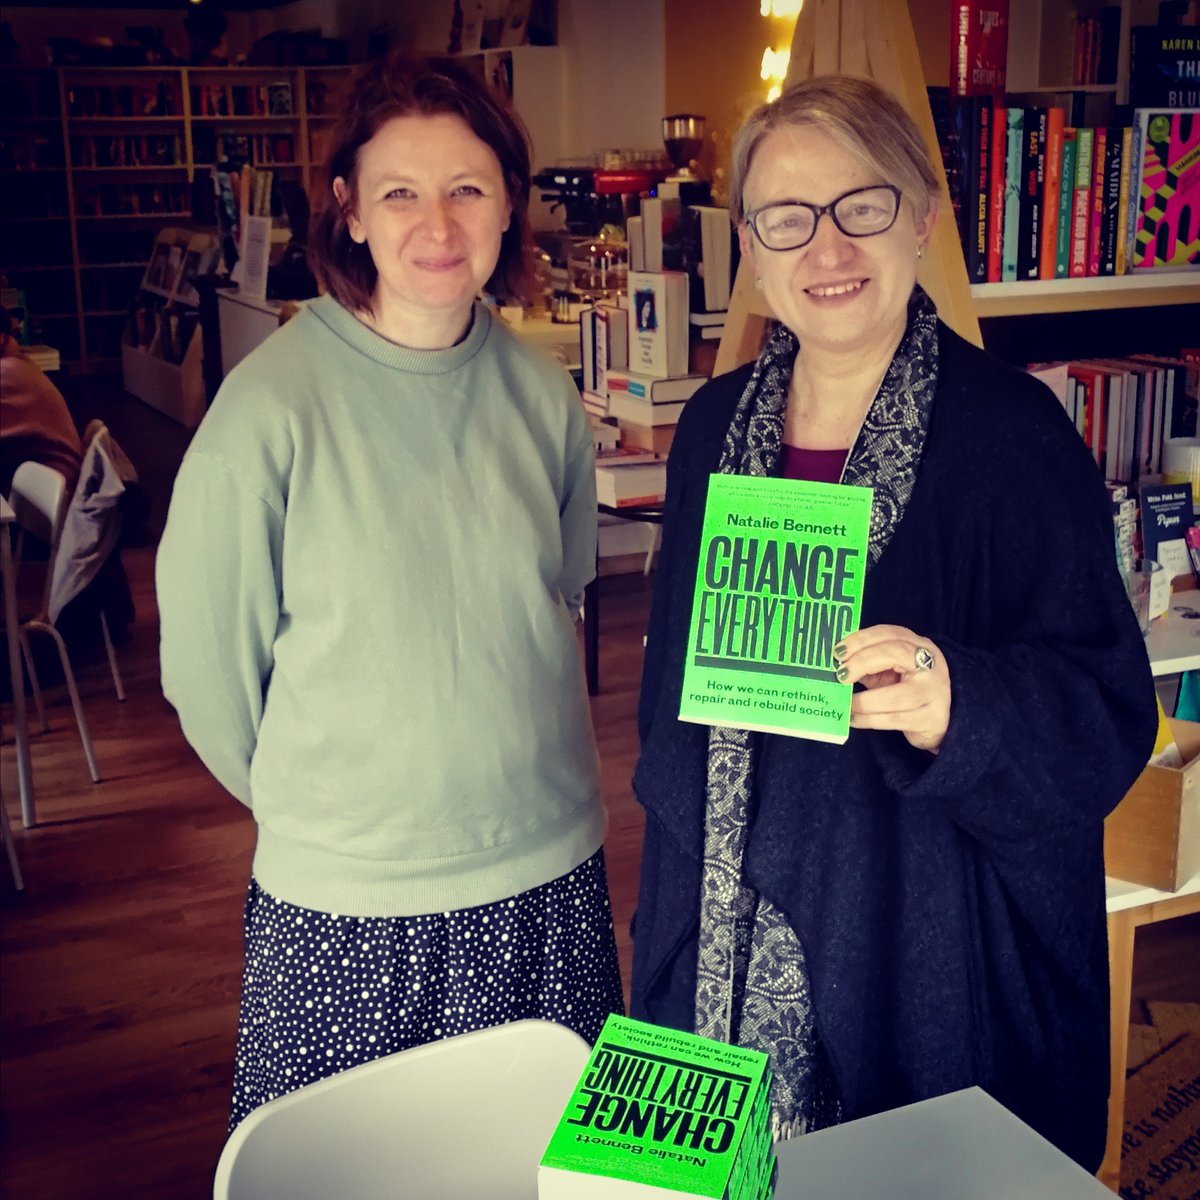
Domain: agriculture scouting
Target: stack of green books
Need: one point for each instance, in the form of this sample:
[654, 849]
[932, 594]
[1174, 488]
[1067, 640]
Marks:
[658, 1111]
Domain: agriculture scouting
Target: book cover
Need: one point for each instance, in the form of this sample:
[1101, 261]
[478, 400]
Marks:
[1066, 194]
[1164, 66]
[1166, 232]
[658, 1108]
[978, 47]
[611, 326]
[997, 169]
[1081, 208]
[658, 322]
[1096, 199]
[1014, 157]
[779, 584]
[1166, 513]
[1051, 192]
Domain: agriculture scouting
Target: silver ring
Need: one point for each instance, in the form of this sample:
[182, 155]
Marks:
[924, 659]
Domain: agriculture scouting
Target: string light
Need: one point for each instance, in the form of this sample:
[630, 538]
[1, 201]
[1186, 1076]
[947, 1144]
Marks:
[775, 63]
[774, 67]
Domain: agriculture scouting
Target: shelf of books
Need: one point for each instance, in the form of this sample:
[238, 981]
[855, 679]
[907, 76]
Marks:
[94, 162]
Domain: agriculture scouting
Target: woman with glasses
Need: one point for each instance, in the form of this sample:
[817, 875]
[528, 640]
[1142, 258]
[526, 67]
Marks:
[920, 909]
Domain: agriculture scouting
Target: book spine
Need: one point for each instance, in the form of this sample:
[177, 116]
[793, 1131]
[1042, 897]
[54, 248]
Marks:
[1027, 246]
[1012, 195]
[1051, 193]
[1112, 202]
[1096, 201]
[962, 47]
[1066, 193]
[981, 145]
[1135, 193]
[1080, 202]
[997, 169]
[1123, 200]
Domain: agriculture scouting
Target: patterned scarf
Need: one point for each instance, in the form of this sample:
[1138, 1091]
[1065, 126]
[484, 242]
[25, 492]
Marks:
[752, 984]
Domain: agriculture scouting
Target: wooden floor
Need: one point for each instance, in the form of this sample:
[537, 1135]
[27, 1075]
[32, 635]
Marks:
[121, 961]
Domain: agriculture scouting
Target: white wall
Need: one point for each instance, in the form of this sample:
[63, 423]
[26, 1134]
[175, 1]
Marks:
[614, 89]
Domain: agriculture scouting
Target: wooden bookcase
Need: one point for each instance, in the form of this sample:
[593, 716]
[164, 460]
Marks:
[94, 161]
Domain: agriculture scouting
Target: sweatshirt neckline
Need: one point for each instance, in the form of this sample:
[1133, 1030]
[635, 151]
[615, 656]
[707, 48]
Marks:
[402, 358]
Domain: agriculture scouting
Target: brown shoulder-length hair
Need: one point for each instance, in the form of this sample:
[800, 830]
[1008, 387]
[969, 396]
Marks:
[398, 86]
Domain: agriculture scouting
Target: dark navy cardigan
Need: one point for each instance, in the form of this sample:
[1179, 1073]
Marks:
[951, 908]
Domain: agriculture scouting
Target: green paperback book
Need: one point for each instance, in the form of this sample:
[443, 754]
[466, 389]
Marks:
[660, 1111]
[779, 584]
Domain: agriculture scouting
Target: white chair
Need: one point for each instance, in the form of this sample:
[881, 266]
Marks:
[38, 497]
[465, 1117]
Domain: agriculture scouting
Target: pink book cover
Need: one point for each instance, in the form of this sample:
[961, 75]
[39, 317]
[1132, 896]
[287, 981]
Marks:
[1167, 230]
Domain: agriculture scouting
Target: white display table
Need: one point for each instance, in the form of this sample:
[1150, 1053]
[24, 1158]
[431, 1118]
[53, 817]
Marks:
[963, 1146]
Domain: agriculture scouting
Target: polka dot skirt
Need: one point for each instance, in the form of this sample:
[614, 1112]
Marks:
[321, 992]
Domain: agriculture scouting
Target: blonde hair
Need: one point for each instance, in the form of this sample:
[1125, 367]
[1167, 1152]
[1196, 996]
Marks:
[860, 116]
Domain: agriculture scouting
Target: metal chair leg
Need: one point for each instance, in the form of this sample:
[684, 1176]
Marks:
[27, 655]
[112, 658]
[76, 704]
[11, 850]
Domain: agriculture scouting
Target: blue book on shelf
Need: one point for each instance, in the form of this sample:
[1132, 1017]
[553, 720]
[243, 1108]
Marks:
[1012, 196]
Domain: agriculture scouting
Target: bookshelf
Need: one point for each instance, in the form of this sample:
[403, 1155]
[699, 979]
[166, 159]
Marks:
[845, 37]
[94, 162]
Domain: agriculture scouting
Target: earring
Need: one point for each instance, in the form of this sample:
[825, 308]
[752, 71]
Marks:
[758, 283]
[920, 251]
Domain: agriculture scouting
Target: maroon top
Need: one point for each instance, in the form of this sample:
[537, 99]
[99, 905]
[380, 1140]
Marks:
[821, 466]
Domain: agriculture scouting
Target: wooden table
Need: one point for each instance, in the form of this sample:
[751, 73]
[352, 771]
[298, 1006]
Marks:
[1130, 905]
[21, 729]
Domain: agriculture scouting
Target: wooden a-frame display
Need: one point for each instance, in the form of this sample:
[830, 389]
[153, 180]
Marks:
[873, 39]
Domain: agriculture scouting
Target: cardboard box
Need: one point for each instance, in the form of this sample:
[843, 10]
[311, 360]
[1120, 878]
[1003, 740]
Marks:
[1153, 836]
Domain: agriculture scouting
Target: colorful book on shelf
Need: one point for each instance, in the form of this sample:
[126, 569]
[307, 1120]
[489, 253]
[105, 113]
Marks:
[1051, 192]
[660, 1111]
[1096, 200]
[658, 322]
[1165, 233]
[1164, 66]
[1033, 169]
[1081, 207]
[997, 169]
[1014, 159]
[779, 584]
[978, 47]
[1111, 200]
[1066, 195]
[1124, 187]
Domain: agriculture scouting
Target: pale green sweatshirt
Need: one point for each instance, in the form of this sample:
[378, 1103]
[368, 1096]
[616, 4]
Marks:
[368, 584]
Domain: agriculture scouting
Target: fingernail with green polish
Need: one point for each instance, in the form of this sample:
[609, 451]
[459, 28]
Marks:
[842, 672]
[839, 651]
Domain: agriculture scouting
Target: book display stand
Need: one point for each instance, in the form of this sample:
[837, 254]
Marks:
[161, 349]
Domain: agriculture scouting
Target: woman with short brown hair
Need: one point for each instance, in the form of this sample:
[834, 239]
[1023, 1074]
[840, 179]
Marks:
[369, 580]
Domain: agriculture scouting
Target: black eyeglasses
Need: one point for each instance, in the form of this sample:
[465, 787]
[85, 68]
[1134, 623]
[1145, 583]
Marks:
[863, 212]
